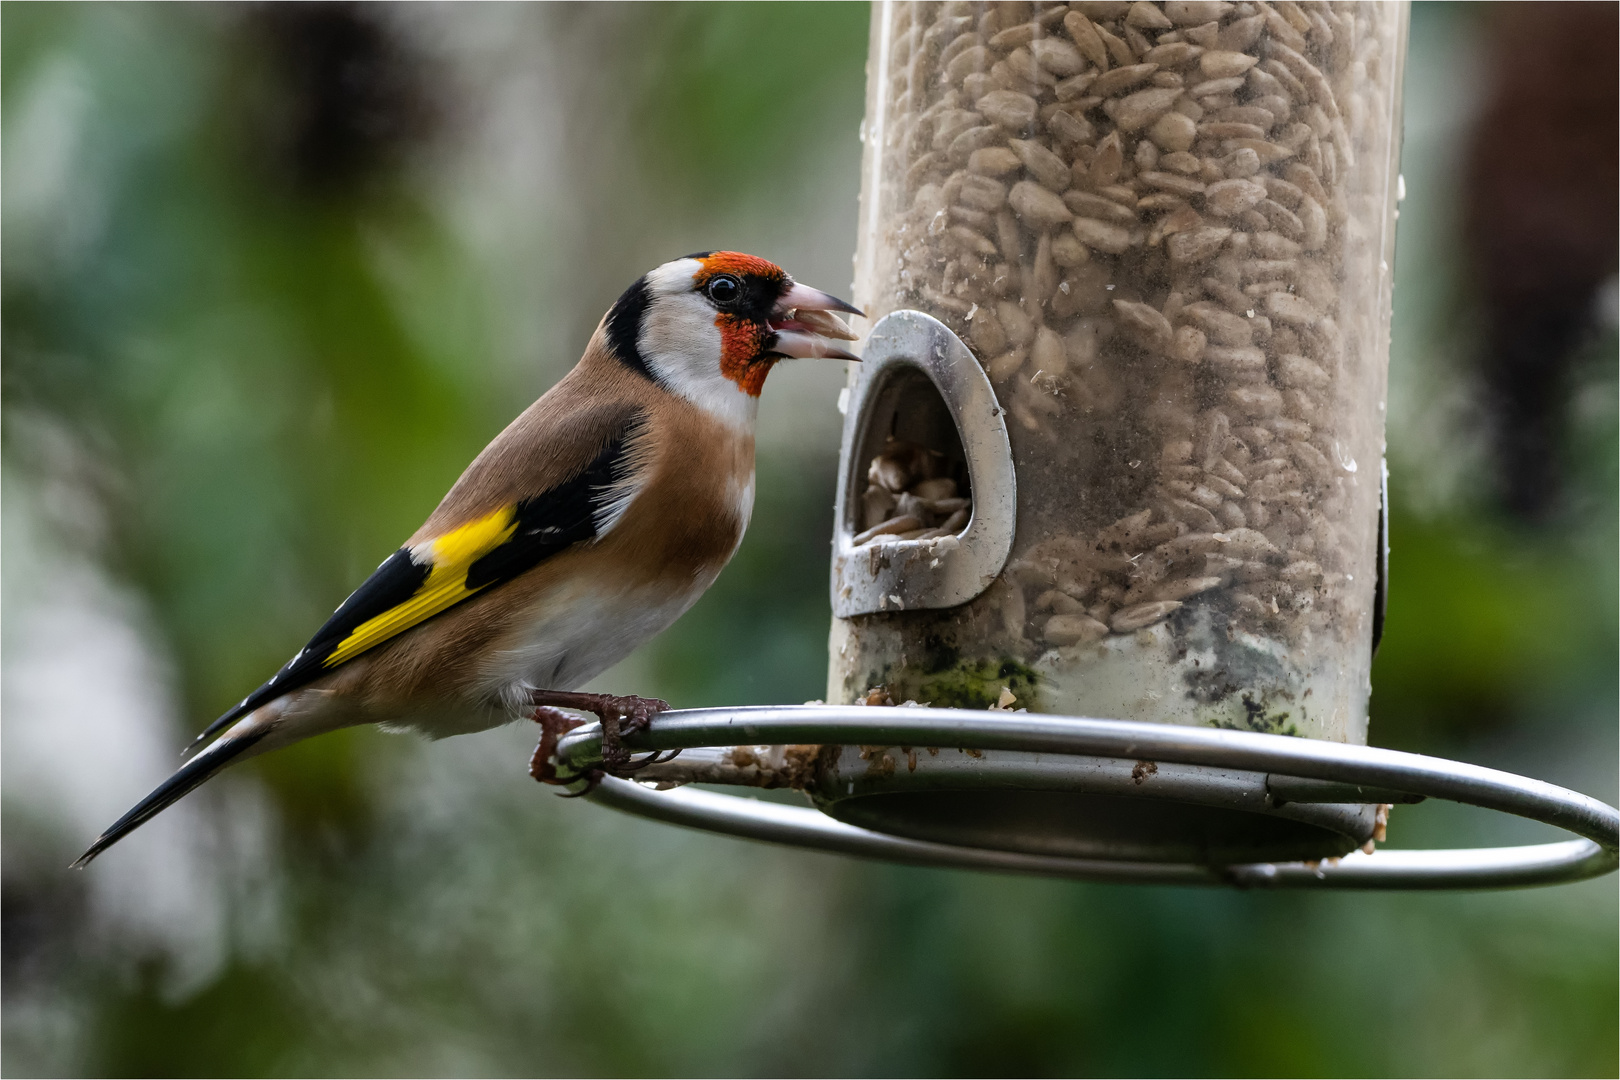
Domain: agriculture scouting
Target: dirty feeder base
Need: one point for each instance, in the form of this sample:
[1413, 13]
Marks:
[1095, 826]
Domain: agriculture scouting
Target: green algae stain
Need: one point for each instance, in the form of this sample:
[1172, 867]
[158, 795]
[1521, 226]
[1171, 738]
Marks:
[969, 685]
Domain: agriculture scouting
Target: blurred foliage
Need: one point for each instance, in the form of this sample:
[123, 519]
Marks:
[273, 427]
[234, 293]
[743, 92]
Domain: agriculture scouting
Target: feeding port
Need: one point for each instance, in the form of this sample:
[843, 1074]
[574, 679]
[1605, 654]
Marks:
[924, 438]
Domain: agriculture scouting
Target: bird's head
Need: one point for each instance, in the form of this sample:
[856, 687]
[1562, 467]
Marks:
[709, 327]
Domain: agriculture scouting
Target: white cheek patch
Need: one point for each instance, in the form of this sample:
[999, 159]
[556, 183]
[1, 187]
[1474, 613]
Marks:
[681, 344]
[674, 278]
[678, 336]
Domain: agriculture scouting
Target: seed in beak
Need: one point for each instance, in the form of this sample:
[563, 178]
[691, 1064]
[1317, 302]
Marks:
[824, 323]
[807, 344]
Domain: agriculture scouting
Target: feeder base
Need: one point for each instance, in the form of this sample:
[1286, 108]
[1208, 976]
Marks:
[1099, 827]
[1094, 808]
[763, 746]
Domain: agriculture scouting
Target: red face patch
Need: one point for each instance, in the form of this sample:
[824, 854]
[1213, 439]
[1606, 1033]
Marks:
[741, 343]
[735, 262]
[743, 338]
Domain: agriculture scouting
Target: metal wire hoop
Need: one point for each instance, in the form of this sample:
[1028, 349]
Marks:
[1595, 823]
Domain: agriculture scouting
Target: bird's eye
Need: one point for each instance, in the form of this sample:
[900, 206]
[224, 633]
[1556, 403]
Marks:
[724, 289]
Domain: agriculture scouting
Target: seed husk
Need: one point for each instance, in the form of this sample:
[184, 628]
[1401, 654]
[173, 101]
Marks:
[1057, 56]
[1009, 108]
[1141, 616]
[1102, 235]
[1120, 79]
[1037, 206]
[993, 161]
[1073, 629]
[901, 524]
[1136, 111]
[1183, 588]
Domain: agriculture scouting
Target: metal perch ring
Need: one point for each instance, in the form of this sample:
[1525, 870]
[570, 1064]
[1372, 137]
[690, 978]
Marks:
[1323, 772]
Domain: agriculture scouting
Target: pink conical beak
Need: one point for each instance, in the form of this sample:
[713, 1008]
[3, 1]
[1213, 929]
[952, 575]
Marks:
[806, 328]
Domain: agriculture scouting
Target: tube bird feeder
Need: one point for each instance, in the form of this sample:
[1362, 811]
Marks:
[1158, 238]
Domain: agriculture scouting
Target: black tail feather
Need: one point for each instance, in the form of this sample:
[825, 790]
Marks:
[208, 732]
[185, 779]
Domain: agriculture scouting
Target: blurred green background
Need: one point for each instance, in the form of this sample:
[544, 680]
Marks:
[273, 274]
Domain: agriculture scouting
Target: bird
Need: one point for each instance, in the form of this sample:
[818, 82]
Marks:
[587, 526]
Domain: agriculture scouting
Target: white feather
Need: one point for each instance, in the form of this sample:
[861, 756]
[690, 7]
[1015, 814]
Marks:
[578, 631]
[619, 497]
[681, 344]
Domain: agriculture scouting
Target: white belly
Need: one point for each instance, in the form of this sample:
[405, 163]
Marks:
[576, 632]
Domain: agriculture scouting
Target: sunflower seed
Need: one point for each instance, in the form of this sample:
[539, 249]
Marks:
[1142, 615]
[1073, 629]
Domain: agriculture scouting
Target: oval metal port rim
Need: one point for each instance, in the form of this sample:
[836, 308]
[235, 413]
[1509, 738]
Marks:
[934, 577]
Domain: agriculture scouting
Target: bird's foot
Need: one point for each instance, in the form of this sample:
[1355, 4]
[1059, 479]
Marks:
[620, 716]
[554, 724]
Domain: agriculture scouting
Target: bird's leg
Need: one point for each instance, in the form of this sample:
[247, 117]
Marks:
[633, 713]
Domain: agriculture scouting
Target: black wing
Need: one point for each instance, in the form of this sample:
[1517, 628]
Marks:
[415, 584]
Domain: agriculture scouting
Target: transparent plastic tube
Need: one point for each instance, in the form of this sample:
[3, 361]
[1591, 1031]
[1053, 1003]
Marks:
[1166, 232]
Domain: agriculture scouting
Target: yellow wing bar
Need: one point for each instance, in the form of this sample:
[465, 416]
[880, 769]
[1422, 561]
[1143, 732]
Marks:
[450, 557]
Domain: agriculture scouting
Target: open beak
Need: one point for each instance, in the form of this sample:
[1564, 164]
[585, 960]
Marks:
[804, 326]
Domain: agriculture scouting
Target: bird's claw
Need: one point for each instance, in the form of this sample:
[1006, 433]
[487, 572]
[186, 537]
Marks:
[657, 757]
[592, 778]
[554, 724]
[620, 715]
[630, 712]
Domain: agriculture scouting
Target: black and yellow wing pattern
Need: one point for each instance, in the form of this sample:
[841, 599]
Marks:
[414, 584]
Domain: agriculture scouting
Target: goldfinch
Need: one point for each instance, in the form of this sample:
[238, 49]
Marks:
[590, 524]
